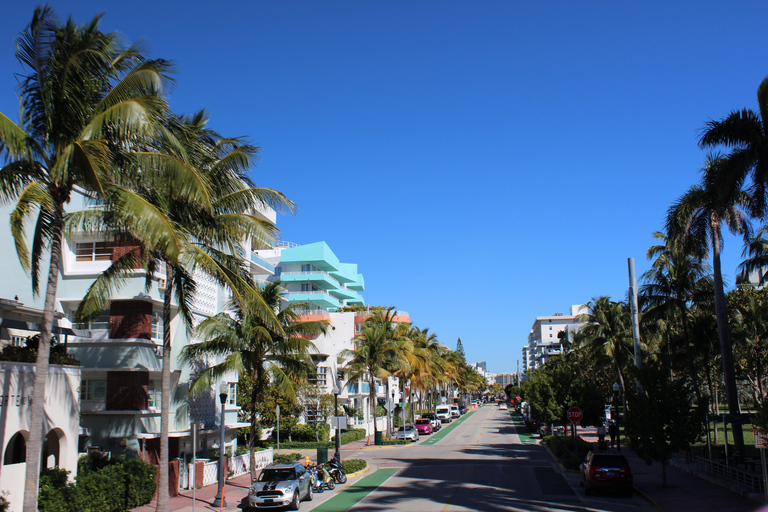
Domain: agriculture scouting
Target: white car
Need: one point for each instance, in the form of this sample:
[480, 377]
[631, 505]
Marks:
[503, 406]
[407, 432]
[279, 485]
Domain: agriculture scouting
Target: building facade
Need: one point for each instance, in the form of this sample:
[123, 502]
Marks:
[548, 336]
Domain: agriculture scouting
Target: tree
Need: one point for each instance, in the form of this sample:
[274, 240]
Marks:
[375, 347]
[274, 356]
[84, 98]
[607, 335]
[662, 419]
[190, 208]
[696, 219]
[675, 280]
[744, 133]
[749, 311]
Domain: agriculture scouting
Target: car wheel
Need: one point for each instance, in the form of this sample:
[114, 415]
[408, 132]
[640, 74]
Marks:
[295, 503]
[310, 494]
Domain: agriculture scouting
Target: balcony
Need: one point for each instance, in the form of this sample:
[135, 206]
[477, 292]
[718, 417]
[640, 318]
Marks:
[262, 264]
[317, 277]
[320, 298]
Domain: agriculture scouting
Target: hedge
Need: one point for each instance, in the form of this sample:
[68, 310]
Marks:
[354, 465]
[562, 448]
[347, 436]
[101, 486]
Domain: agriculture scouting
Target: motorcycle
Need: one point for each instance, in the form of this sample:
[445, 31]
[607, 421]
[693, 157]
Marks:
[337, 470]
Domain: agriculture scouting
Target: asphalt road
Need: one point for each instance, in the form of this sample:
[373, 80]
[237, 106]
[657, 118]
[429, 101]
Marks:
[480, 465]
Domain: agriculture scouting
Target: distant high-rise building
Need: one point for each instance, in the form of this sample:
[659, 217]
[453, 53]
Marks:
[545, 338]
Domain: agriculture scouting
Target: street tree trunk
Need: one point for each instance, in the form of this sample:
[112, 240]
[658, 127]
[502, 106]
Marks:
[726, 350]
[165, 395]
[37, 408]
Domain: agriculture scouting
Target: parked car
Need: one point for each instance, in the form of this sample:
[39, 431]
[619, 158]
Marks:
[407, 432]
[436, 423]
[444, 413]
[544, 430]
[455, 411]
[559, 430]
[602, 470]
[503, 406]
[279, 485]
[424, 426]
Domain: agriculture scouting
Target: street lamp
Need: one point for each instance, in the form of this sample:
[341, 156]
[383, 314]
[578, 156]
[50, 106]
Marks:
[336, 392]
[219, 500]
[616, 408]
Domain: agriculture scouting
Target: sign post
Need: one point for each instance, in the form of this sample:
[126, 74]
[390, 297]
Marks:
[574, 416]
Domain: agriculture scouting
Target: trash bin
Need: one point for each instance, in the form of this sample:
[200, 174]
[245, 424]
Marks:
[322, 454]
[378, 439]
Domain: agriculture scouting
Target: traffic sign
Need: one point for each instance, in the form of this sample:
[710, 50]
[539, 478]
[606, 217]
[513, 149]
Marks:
[760, 439]
[574, 415]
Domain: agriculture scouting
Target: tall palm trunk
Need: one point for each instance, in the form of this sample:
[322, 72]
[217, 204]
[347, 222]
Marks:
[689, 352]
[35, 439]
[372, 397]
[165, 395]
[726, 350]
[257, 394]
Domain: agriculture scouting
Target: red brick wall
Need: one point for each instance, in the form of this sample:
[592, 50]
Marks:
[127, 391]
[130, 319]
[122, 247]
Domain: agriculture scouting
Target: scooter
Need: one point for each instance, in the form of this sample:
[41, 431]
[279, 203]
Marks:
[337, 470]
[321, 479]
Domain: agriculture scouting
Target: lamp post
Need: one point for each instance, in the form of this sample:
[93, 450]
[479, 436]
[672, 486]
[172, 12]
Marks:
[336, 392]
[616, 408]
[219, 500]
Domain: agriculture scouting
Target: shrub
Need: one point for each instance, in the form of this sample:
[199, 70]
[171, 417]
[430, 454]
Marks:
[285, 458]
[354, 465]
[348, 436]
[102, 486]
[562, 448]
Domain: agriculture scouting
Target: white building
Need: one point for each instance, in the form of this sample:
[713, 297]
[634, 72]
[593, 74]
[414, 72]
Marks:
[545, 339]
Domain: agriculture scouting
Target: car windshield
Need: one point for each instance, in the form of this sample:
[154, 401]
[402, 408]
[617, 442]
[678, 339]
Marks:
[270, 475]
[422, 422]
[604, 460]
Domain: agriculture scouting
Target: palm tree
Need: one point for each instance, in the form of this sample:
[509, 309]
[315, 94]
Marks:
[744, 133]
[675, 280]
[607, 334]
[756, 254]
[376, 347]
[83, 98]
[697, 219]
[185, 231]
[249, 345]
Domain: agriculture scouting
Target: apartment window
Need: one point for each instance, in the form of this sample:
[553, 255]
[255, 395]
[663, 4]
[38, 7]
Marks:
[306, 267]
[18, 341]
[232, 396]
[157, 326]
[550, 335]
[278, 271]
[322, 376]
[153, 395]
[93, 390]
[550, 327]
[93, 251]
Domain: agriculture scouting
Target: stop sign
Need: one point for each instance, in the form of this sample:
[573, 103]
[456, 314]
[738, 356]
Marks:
[574, 415]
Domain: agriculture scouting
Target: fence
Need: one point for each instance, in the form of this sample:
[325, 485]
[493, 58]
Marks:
[745, 481]
[236, 466]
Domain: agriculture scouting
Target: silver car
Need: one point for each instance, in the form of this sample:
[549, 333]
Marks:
[279, 485]
[407, 432]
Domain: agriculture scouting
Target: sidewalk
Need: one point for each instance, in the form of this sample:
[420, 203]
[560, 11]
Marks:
[684, 492]
[236, 489]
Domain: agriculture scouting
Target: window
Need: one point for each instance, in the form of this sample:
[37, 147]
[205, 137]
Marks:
[93, 251]
[306, 267]
[157, 326]
[153, 395]
[232, 396]
[18, 341]
[93, 390]
[322, 376]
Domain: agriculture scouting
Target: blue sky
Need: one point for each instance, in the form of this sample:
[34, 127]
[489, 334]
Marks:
[483, 163]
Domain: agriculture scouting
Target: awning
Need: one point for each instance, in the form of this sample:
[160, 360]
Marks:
[32, 326]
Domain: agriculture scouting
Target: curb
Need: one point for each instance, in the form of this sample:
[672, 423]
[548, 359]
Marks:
[361, 472]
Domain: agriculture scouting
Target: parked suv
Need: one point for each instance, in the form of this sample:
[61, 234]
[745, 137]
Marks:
[444, 413]
[602, 470]
[279, 485]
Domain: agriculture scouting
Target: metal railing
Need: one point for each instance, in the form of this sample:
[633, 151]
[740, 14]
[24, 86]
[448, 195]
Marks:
[749, 481]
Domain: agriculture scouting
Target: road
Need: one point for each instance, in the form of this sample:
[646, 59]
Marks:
[481, 465]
